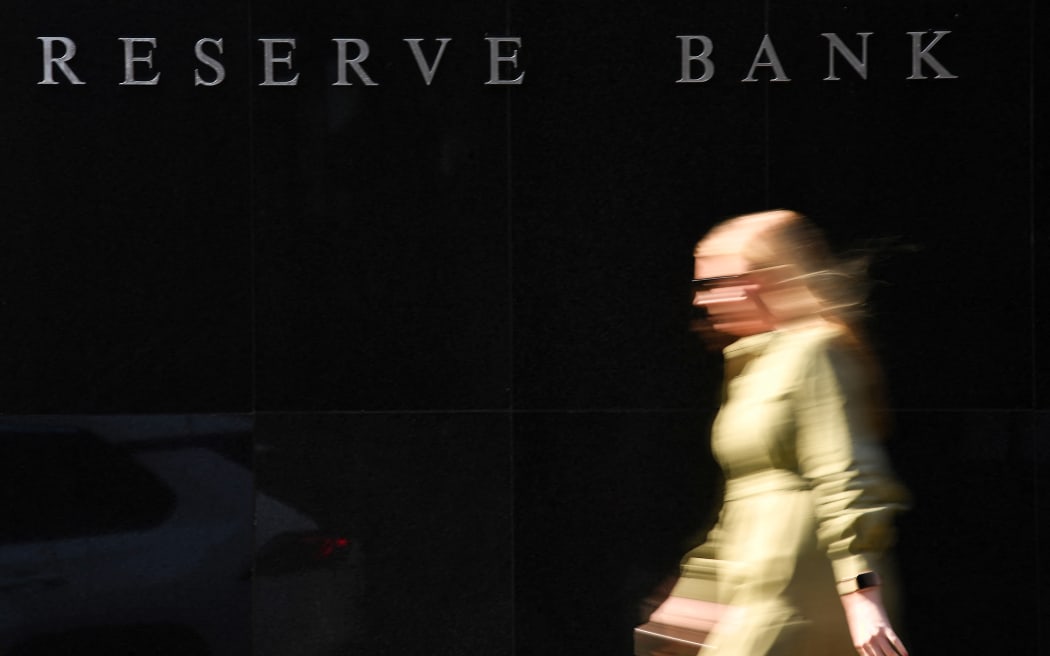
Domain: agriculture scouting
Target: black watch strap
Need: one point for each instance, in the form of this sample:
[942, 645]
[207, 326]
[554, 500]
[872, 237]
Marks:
[868, 580]
[861, 581]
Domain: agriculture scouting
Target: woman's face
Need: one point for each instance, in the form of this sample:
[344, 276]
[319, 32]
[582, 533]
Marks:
[739, 300]
[725, 287]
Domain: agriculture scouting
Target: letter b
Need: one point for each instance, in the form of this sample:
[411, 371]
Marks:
[703, 58]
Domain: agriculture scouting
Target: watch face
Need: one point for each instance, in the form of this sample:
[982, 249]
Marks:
[867, 580]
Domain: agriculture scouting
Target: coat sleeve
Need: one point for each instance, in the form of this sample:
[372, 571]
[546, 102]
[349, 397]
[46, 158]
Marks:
[838, 450]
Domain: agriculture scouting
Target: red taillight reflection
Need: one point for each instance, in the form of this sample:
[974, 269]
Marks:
[298, 551]
[325, 547]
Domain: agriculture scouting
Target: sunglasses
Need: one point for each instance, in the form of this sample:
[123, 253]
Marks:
[707, 284]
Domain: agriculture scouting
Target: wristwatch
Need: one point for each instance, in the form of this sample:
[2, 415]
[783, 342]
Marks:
[861, 581]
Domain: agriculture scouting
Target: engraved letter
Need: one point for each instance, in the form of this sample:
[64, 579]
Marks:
[835, 44]
[421, 62]
[495, 58]
[355, 63]
[774, 62]
[687, 57]
[50, 60]
[214, 64]
[919, 55]
[130, 59]
[269, 59]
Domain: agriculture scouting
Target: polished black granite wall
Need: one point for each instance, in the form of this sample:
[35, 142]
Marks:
[438, 281]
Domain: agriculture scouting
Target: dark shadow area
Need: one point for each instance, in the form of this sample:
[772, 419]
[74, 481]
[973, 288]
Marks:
[606, 504]
[424, 502]
[157, 640]
[969, 549]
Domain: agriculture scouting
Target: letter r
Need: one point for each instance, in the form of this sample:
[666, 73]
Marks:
[50, 61]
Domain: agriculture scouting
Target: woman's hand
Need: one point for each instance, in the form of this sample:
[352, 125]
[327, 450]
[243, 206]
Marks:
[869, 626]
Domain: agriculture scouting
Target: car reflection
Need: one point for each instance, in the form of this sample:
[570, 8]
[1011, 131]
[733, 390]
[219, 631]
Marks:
[137, 535]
